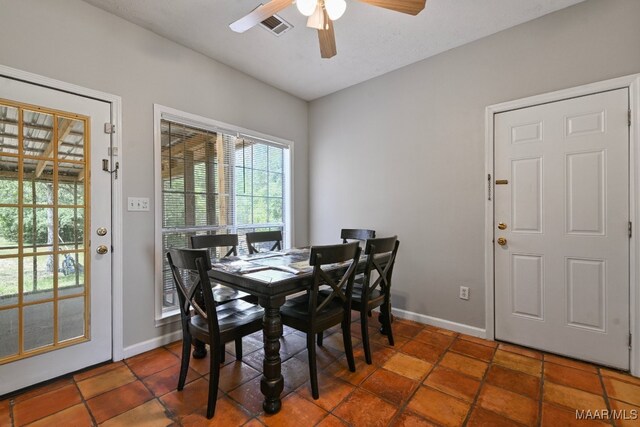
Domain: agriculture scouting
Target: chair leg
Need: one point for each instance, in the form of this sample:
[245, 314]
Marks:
[222, 353]
[387, 320]
[348, 347]
[239, 348]
[313, 371]
[214, 378]
[364, 328]
[320, 336]
[184, 363]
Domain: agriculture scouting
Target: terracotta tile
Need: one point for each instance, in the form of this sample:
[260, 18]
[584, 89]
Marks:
[441, 330]
[77, 416]
[630, 413]
[175, 348]
[340, 369]
[570, 363]
[290, 344]
[378, 338]
[45, 404]
[622, 376]
[235, 374]
[572, 398]
[201, 366]
[471, 349]
[379, 354]
[331, 421]
[408, 419]
[5, 413]
[160, 361]
[148, 414]
[483, 418]
[620, 390]
[254, 422]
[152, 353]
[466, 365]
[515, 381]
[477, 340]
[453, 383]
[434, 339]
[296, 372]
[324, 356]
[422, 351]
[335, 341]
[118, 401]
[390, 386]
[106, 381]
[509, 404]
[192, 397]
[92, 372]
[554, 416]
[365, 409]
[572, 378]
[332, 391]
[408, 366]
[251, 344]
[42, 389]
[249, 396]
[406, 329]
[438, 407]
[517, 362]
[297, 409]
[165, 381]
[228, 413]
[523, 351]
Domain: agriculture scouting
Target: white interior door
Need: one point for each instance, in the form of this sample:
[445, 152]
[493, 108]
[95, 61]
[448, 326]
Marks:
[55, 289]
[562, 273]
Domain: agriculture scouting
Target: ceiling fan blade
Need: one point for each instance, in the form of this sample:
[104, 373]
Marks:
[258, 15]
[412, 7]
[327, 39]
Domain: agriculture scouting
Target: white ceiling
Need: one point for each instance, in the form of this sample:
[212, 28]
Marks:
[370, 41]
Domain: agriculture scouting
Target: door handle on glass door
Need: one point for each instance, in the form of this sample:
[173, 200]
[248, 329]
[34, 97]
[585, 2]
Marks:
[502, 241]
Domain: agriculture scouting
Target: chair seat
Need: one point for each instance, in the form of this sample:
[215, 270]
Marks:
[231, 315]
[298, 308]
[373, 295]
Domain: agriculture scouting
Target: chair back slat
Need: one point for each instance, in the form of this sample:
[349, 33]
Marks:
[356, 234]
[264, 236]
[381, 259]
[213, 241]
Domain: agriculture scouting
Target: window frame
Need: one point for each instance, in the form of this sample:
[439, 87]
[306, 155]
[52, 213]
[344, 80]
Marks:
[161, 112]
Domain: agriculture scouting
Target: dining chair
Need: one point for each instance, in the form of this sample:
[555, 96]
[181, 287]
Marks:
[356, 234]
[381, 256]
[264, 237]
[314, 313]
[212, 323]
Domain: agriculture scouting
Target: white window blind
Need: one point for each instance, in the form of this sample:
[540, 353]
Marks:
[215, 182]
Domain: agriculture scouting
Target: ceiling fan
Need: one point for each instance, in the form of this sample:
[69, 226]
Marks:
[321, 15]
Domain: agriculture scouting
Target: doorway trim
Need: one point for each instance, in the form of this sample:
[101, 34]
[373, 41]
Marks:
[632, 83]
[117, 321]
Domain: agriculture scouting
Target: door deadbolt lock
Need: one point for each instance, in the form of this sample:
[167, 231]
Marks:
[501, 226]
[502, 241]
[102, 231]
[102, 249]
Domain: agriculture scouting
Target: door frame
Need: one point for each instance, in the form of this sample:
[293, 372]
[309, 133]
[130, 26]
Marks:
[632, 83]
[117, 331]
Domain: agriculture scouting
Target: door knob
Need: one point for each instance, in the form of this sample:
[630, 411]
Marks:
[502, 241]
[102, 249]
[502, 226]
[102, 231]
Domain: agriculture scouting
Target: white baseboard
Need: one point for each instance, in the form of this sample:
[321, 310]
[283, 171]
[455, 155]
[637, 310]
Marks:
[440, 323]
[151, 344]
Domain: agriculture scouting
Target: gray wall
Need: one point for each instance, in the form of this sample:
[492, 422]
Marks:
[72, 41]
[404, 153]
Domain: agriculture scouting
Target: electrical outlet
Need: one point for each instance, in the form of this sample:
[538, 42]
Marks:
[464, 292]
[138, 204]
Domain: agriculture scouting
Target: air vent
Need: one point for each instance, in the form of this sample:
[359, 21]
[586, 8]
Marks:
[276, 25]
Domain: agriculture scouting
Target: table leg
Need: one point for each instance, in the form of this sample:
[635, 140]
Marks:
[272, 382]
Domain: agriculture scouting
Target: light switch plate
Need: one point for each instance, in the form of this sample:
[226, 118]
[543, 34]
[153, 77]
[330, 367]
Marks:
[138, 204]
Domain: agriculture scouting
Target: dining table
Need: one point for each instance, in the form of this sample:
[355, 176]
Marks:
[271, 277]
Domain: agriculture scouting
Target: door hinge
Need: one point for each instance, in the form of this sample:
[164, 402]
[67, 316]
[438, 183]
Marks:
[109, 128]
[489, 187]
[630, 229]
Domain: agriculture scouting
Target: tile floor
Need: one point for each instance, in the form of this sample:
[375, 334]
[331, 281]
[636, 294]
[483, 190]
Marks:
[432, 377]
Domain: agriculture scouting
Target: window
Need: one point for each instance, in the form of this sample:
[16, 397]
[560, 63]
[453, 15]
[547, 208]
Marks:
[213, 178]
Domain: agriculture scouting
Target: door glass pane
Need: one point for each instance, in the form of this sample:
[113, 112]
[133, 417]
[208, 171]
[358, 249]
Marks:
[8, 185]
[8, 282]
[9, 335]
[8, 130]
[71, 273]
[38, 325]
[70, 184]
[71, 228]
[71, 137]
[38, 229]
[37, 132]
[70, 318]
[38, 277]
[8, 231]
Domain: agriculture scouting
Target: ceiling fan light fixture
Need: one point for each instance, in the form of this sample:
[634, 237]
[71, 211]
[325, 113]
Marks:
[335, 8]
[306, 7]
[316, 20]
